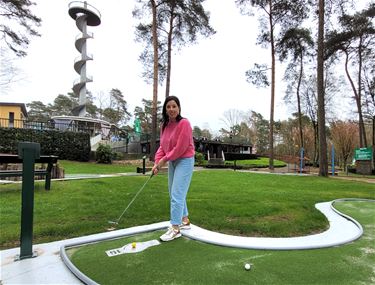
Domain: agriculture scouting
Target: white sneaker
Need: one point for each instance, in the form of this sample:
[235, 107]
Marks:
[185, 225]
[171, 234]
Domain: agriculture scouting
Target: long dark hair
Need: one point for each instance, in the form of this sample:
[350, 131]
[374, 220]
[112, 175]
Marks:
[165, 118]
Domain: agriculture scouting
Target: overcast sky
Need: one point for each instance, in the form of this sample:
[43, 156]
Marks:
[208, 77]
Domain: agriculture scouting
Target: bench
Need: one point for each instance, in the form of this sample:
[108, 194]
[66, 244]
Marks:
[215, 163]
[234, 156]
[50, 160]
[299, 170]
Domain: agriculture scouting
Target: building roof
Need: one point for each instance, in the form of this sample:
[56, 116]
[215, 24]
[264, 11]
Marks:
[82, 119]
[21, 105]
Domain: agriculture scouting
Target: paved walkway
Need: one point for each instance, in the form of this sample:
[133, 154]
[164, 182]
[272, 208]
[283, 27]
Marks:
[48, 267]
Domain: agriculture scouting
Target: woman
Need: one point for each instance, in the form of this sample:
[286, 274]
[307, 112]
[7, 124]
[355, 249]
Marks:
[176, 148]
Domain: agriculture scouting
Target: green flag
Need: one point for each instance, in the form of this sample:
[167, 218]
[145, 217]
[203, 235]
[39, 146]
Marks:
[137, 126]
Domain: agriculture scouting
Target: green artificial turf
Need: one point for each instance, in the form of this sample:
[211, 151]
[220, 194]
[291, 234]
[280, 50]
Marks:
[227, 201]
[185, 261]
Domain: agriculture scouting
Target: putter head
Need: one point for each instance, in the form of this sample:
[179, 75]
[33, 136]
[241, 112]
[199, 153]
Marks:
[113, 223]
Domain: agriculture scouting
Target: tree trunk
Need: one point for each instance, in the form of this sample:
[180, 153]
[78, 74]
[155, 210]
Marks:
[316, 142]
[273, 83]
[373, 141]
[169, 59]
[155, 82]
[323, 166]
[299, 103]
[357, 97]
[362, 130]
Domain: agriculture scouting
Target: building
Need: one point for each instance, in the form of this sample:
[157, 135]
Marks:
[216, 148]
[99, 130]
[12, 115]
[210, 148]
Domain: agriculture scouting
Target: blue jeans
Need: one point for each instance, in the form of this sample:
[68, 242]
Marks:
[180, 172]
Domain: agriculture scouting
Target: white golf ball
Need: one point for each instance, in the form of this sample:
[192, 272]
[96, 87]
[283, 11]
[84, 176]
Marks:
[247, 266]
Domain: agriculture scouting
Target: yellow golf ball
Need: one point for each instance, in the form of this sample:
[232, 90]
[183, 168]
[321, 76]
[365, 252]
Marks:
[134, 245]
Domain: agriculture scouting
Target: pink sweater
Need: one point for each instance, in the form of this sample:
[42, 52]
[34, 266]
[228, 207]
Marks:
[176, 141]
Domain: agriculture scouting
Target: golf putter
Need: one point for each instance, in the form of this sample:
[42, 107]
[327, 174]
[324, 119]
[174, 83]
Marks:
[135, 197]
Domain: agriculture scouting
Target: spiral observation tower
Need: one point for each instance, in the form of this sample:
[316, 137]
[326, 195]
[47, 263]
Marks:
[100, 130]
[85, 15]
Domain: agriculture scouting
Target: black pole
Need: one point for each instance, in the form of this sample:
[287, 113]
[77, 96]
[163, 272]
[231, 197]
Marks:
[144, 165]
[28, 152]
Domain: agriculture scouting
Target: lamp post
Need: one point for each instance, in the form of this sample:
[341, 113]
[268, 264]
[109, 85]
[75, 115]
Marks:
[231, 137]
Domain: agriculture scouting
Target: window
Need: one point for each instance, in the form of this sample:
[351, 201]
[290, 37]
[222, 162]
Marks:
[11, 119]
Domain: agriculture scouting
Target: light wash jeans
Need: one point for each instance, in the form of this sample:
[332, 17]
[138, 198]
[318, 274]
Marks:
[180, 172]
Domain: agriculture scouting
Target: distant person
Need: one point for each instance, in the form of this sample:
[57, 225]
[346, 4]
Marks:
[176, 149]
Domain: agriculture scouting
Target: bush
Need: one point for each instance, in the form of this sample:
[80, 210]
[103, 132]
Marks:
[199, 158]
[104, 154]
[117, 155]
[351, 169]
[64, 144]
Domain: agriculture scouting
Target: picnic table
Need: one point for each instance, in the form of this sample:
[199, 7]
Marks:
[50, 160]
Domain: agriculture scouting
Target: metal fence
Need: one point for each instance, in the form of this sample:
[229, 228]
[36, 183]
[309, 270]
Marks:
[25, 124]
[74, 126]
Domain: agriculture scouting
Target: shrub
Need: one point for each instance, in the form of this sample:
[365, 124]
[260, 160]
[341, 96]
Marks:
[64, 144]
[104, 154]
[199, 158]
[117, 155]
[351, 169]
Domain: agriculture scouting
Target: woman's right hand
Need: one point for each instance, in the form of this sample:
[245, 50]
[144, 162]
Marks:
[155, 169]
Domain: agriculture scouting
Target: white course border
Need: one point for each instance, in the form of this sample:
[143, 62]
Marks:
[342, 229]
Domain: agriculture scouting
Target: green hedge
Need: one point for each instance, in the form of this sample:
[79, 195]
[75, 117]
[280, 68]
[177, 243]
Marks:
[65, 145]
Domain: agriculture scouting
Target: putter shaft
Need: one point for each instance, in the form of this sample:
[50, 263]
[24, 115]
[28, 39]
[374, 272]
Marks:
[131, 202]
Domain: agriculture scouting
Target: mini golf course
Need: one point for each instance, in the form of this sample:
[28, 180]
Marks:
[188, 261]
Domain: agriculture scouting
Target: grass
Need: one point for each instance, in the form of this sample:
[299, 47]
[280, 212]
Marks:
[358, 175]
[74, 167]
[209, 264]
[261, 162]
[221, 200]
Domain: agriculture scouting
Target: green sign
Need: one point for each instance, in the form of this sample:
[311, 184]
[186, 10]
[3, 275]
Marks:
[363, 153]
